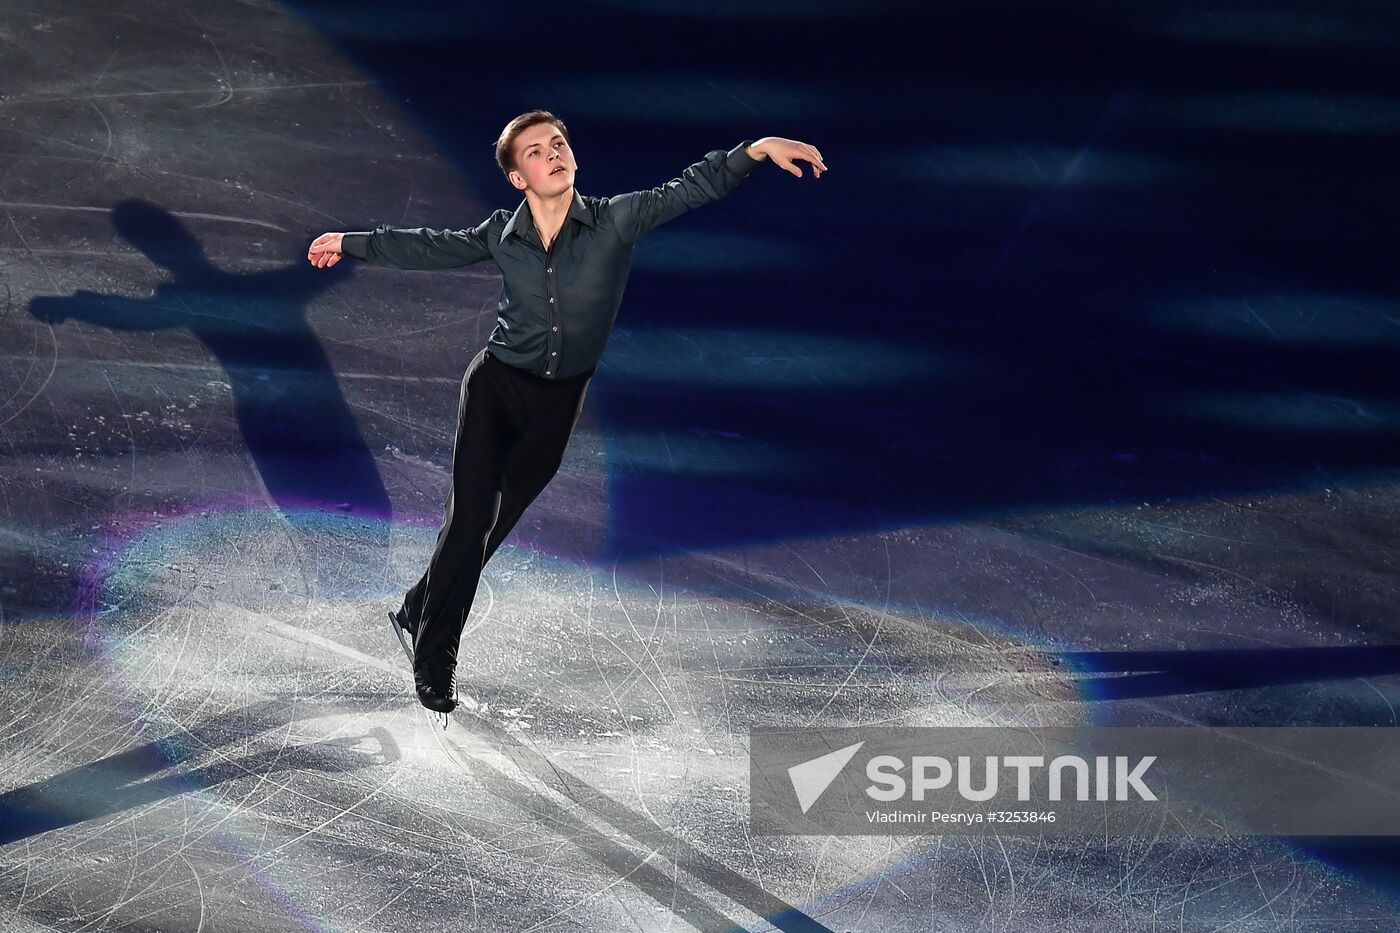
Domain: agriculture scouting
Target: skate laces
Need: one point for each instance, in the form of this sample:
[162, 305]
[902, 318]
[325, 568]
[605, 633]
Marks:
[438, 678]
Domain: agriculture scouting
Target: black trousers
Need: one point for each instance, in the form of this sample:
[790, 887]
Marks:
[512, 429]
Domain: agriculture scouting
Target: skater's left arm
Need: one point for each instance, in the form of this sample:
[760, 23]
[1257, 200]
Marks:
[785, 152]
[708, 180]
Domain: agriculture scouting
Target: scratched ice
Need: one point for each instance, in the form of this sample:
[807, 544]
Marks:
[246, 746]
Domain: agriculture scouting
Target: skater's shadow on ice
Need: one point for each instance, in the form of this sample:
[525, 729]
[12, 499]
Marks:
[122, 781]
[290, 408]
[665, 887]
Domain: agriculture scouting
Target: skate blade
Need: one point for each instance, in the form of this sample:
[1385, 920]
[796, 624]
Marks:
[404, 643]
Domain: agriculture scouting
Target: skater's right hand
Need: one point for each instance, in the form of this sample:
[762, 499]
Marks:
[325, 250]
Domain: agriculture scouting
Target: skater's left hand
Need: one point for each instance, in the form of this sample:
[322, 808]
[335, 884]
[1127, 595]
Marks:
[785, 151]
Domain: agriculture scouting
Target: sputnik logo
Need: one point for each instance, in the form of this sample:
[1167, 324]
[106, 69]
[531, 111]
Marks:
[811, 778]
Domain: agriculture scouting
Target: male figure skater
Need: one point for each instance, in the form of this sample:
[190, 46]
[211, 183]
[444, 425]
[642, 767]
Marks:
[564, 258]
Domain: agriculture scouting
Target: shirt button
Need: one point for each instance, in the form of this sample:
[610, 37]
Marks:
[554, 353]
[551, 301]
[554, 328]
[549, 268]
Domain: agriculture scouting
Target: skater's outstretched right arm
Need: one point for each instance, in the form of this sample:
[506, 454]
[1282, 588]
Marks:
[405, 247]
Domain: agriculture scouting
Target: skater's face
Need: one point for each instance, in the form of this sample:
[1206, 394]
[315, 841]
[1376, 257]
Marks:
[544, 163]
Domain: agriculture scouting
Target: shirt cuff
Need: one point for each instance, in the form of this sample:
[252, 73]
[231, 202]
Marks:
[353, 244]
[739, 161]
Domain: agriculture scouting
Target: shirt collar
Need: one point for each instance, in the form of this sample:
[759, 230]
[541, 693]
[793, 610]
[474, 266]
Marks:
[521, 221]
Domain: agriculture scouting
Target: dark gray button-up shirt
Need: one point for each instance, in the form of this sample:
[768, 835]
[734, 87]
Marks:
[557, 307]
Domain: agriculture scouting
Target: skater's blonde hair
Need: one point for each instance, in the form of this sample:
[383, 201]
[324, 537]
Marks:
[505, 145]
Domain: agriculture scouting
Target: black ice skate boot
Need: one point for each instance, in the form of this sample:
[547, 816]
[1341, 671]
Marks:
[435, 665]
[437, 688]
[436, 691]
